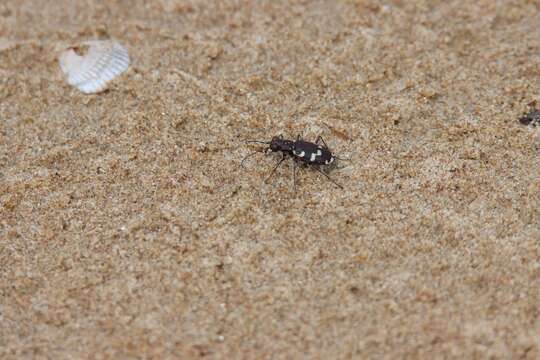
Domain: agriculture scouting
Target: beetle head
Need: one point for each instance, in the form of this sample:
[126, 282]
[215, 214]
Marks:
[279, 144]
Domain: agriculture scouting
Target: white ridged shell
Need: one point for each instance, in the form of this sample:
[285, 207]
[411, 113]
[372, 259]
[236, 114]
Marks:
[91, 72]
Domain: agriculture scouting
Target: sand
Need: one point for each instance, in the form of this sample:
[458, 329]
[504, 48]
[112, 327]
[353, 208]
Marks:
[129, 230]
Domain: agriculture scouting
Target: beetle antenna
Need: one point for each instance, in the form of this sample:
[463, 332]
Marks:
[257, 141]
[343, 159]
[248, 156]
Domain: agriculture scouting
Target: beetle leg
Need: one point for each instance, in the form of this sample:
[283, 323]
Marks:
[294, 177]
[328, 177]
[319, 138]
[275, 168]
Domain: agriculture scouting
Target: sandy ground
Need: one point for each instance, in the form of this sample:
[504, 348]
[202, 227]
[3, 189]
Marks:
[128, 229]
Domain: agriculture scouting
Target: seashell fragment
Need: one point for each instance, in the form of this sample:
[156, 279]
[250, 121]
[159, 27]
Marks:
[93, 70]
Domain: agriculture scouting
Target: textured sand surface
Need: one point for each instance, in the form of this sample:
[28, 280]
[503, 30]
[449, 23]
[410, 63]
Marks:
[128, 229]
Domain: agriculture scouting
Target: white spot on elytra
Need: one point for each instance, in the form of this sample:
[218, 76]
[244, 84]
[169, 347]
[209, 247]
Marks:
[313, 156]
[299, 153]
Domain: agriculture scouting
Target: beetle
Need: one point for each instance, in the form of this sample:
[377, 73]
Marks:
[315, 154]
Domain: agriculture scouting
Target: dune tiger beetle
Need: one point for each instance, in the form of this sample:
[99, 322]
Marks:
[301, 151]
